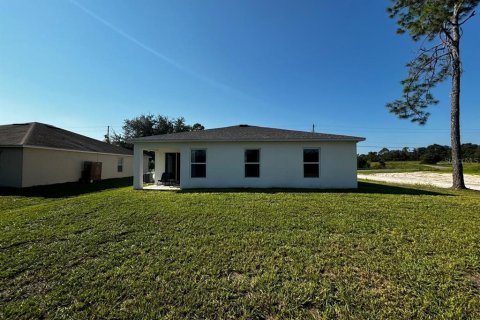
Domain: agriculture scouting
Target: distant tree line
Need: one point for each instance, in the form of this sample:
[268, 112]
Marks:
[149, 125]
[432, 154]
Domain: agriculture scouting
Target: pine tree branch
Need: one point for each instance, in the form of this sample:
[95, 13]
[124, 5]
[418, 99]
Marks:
[472, 14]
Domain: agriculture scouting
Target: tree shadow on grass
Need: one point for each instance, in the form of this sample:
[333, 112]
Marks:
[363, 188]
[65, 190]
[372, 187]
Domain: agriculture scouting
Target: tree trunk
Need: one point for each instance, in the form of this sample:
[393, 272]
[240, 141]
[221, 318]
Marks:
[458, 181]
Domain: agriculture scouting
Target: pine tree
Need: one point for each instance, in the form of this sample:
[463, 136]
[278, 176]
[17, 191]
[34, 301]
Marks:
[438, 23]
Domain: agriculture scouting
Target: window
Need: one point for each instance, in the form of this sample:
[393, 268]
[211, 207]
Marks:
[120, 165]
[311, 163]
[198, 163]
[252, 163]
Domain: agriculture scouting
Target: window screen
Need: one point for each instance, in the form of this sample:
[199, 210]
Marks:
[252, 163]
[311, 163]
[120, 165]
[198, 163]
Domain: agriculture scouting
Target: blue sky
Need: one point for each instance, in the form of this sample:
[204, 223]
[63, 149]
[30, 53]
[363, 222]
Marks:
[85, 64]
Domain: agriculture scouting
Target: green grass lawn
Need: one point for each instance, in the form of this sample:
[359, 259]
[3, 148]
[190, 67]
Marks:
[377, 252]
[470, 168]
[411, 166]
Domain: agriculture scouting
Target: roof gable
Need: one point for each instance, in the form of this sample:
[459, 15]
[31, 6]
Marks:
[246, 133]
[37, 134]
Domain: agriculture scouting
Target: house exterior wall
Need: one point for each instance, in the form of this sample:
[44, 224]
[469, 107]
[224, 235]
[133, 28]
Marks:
[11, 167]
[48, 166]
[281, 164]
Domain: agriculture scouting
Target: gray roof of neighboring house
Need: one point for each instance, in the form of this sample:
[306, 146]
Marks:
[245, 132]
[37, 134]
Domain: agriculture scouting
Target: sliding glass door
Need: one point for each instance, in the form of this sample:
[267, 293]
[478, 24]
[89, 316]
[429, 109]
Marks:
[172, 165]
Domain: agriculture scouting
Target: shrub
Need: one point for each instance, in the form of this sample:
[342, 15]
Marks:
[362, 163]
[378, 165]
[431, 158]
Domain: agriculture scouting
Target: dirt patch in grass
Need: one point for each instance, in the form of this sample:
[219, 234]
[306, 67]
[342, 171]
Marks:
[474, 279]
[442, 180]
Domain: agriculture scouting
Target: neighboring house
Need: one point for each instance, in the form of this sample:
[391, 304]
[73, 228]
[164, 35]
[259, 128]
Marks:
[38, 154]
[247, 156]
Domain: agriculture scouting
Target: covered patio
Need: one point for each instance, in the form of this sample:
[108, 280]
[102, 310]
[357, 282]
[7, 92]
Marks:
[166, 168]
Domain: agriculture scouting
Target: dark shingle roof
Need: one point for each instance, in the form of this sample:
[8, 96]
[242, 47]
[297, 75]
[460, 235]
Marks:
[246, 133]
[47, 136]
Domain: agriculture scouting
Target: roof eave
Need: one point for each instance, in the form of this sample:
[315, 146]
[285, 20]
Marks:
[76, 150]
[11, 145]
[353, 139]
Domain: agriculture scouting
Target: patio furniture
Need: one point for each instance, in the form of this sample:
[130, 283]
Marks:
[167, 179]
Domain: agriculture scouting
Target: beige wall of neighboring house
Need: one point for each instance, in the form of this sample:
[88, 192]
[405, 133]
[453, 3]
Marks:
[48, 166]
[11, 167]
[33, 166]
[35, 153]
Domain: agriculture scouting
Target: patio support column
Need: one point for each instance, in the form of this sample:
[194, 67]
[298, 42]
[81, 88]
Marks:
[137, 167]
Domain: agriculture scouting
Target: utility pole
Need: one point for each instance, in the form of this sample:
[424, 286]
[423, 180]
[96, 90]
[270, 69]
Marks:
[313, 128]
[107, 136]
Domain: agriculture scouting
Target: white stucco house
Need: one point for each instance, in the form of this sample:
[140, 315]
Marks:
[34, 154]
[246, 156]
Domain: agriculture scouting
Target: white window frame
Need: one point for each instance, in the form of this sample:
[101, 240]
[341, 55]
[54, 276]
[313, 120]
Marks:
[245, 163]
[317, 163]
[193, 163]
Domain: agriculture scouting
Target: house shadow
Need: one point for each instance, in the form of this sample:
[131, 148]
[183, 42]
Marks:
[363, 188]
[65, 190]
[71, 189]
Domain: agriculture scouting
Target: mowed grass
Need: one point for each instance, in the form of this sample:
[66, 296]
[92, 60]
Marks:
[469, 168]
[411, 166]
[377, 252]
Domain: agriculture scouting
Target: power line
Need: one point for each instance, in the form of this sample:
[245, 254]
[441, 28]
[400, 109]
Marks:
[392, 147]
[390, 128]
[370, 129]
